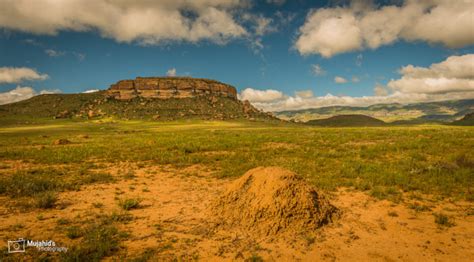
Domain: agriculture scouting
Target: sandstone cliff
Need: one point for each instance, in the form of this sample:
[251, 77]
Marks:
[169, 87]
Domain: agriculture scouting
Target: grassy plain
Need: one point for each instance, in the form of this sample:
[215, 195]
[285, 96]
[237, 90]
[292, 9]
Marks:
[434, 159]
[386, 162]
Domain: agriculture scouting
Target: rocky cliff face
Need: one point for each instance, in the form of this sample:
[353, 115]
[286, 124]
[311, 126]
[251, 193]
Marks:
[169, 87]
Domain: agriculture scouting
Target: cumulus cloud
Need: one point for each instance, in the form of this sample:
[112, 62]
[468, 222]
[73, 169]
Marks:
[17, 94]
[380, 90]
[330, 31]
[149, 22]
[452, 78]
[355, 79]
[340, 80]
[18, 74]
[317, 70]
[21, 93]
[257, 96]
[455, 74]
[171, 72]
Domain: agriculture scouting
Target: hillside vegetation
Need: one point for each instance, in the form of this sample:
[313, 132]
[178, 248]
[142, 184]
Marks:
[98, 105]
[467, 120]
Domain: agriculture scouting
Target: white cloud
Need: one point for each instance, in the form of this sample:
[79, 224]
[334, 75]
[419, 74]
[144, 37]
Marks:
[21, 93]
[455, 74]
[330, 31]
[453, 67]
[260, 26]
[148, 22]
[452, 78]
[263, 26]
[284, 18]
[171, 72]
[91, 91]
[49, 91]
[54, 53]
[254, 95]
[17, 94]
[18, 74]
[304, 93]
[317, 70]
[380, 90]
[340, 80]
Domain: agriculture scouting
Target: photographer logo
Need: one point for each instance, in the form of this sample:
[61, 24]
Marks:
[16, 246]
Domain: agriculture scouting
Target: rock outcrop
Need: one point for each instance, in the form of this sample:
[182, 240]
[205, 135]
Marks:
[169, 87]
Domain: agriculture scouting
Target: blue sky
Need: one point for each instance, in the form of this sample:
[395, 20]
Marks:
[77, 59]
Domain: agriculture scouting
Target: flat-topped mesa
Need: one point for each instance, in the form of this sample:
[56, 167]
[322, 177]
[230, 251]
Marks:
[169, 87]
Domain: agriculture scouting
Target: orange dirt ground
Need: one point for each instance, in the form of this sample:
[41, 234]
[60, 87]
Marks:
[174, 220]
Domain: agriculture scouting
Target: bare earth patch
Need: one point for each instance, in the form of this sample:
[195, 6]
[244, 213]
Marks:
[173, 221]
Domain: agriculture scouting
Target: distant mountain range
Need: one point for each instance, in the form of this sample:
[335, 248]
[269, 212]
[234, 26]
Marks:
[419, 113]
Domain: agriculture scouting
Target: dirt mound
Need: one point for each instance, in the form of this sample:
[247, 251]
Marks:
[272, 200]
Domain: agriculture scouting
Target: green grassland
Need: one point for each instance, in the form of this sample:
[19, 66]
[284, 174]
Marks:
[384, 161]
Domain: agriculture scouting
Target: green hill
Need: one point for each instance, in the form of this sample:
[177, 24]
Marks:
[467, 120]
[98, 105]
[347, 121]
